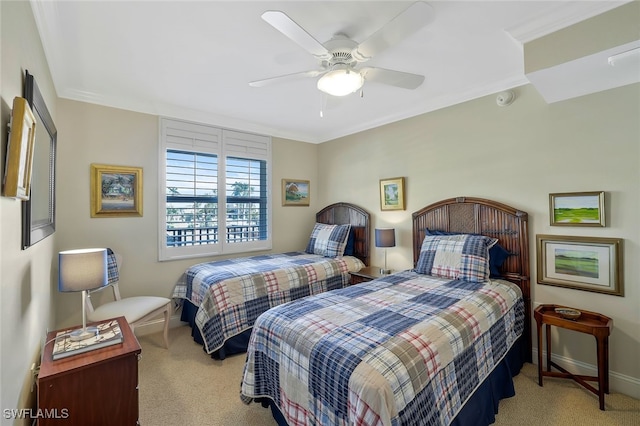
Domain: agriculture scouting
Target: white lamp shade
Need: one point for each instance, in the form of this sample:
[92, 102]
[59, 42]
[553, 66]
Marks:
[341, 81]
[82, 269]
[385, 237]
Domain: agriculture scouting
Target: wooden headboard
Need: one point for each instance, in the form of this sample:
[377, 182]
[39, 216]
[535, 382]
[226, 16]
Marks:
[480, 216]
[345, 213]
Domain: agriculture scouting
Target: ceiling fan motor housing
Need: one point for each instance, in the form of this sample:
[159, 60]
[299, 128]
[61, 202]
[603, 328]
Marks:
[340, 48]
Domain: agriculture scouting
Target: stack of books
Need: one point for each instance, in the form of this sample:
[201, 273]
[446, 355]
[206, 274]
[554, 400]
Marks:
[109, 333]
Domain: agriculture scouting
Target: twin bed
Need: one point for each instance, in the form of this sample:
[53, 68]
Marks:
[222, 299]
[435, 345]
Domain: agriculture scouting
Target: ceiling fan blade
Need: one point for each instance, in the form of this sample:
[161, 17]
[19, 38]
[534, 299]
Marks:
[406, 23]
[284, 78]
[287, 26]
[401, 79]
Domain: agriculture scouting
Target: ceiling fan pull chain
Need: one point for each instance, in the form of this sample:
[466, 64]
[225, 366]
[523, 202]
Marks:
[323, 103]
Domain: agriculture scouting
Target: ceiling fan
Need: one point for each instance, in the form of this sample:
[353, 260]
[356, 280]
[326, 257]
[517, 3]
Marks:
[339, 57]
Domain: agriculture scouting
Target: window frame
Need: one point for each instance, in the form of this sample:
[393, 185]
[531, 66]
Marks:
[201, 138]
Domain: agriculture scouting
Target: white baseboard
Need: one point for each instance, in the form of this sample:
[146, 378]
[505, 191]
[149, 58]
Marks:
[620, 383]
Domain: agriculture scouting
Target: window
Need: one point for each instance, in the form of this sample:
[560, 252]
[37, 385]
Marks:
[216, 197]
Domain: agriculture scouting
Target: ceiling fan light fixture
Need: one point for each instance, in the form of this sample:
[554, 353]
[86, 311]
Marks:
[340, 81]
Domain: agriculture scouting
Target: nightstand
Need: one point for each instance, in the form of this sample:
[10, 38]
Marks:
[98, 387]
[592, 323]
[365, 274]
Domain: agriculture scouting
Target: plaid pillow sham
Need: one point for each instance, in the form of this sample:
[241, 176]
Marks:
[328, 240]
[462, 256]
[497, 254]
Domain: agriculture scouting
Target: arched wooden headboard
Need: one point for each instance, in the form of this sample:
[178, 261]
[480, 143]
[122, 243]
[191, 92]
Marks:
[480, 216]
[346, 213]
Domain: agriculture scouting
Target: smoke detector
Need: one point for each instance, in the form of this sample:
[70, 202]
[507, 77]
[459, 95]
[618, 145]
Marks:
[505, 98]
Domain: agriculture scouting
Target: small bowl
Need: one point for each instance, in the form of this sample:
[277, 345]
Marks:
[568, 313]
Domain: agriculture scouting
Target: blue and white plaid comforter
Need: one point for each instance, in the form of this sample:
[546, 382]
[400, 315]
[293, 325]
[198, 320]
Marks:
[406, 349]
[230, 294]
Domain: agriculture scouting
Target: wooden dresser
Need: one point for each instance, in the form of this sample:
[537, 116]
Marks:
[99, 387]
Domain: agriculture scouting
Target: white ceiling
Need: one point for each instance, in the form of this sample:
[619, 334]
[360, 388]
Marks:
[193, 60]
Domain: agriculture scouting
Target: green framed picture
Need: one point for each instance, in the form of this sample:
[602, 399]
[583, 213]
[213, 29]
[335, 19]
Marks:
[577, 209]
[582, 263]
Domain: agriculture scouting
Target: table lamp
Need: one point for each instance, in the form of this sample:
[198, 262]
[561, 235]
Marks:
[82, 270]
[385, 237]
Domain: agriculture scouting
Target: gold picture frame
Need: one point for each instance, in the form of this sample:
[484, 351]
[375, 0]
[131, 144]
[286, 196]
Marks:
[116, 191]
[392, 194]
[577, 209]
[581, 263]
[296, 192]
[19, 161]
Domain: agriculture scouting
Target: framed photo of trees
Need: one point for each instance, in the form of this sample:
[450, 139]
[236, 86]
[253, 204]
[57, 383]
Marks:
[392, 194]
[116, 191]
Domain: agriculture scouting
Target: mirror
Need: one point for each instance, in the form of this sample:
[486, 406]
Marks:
[39, 212]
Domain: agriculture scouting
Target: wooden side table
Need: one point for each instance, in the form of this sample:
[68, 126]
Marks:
[98, 387]
[368, 273]
[592, 323]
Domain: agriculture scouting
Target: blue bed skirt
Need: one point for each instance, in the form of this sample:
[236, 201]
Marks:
[236, 345]
[482, 407]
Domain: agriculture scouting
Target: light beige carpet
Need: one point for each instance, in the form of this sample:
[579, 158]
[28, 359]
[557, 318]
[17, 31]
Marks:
[183, 385]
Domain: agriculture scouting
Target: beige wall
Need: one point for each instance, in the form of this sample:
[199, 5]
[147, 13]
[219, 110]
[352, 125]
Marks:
[25, 275]
[96, 134]
[613, 28]
[517, 155]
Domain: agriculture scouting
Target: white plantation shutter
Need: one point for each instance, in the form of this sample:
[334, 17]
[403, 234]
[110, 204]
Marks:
[215, 191]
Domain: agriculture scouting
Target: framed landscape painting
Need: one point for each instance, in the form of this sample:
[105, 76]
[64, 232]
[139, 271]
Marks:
[19, 157]
[582, 263]
[392, 194]
[116, 191]
[577, 209]
[295, 192]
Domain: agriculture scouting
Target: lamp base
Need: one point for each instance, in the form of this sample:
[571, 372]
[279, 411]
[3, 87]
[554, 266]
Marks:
[83, 333]
[385, 271]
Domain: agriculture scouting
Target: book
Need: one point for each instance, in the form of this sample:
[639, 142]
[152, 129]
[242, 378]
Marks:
[109, 333]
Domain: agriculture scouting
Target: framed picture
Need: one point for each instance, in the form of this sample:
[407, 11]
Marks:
[116, 191]
[581, 263]
[296, 192]
[392, 194]
[18, 166]
[577, 209]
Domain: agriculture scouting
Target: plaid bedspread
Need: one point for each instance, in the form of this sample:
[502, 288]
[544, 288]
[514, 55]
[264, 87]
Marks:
[406, 349]
[232, 293]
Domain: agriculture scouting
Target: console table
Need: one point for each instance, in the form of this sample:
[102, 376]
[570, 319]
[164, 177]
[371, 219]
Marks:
[592, 323]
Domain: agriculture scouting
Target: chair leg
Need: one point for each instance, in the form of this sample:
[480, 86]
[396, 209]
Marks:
[167, 315]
